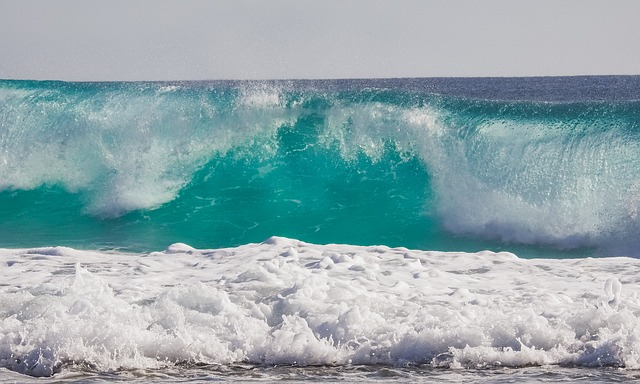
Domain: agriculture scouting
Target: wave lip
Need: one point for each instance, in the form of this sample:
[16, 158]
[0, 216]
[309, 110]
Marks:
[286, 302]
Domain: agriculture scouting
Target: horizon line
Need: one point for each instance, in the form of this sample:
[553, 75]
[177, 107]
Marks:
[277, 79]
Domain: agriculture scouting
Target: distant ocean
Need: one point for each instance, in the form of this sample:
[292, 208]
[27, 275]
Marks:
[374, 229]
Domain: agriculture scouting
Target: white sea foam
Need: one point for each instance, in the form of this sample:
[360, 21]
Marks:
[287, 302]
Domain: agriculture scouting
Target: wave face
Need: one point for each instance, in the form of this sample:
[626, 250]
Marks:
[539, 166]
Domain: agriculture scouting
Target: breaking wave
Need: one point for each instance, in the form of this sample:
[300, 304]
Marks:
[226, 163]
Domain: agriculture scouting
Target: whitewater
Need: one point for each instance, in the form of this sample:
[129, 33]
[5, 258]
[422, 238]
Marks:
[400, 229]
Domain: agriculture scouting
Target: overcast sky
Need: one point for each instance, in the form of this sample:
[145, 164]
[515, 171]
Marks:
[266, 39]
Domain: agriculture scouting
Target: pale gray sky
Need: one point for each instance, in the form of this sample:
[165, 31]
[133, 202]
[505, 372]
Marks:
[266, 39]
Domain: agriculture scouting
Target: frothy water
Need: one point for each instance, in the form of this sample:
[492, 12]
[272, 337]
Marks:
[285, 302]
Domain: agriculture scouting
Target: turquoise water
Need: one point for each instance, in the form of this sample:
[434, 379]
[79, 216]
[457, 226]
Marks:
[538, 166]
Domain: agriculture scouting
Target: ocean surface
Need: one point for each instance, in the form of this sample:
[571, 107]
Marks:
[477, 229]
